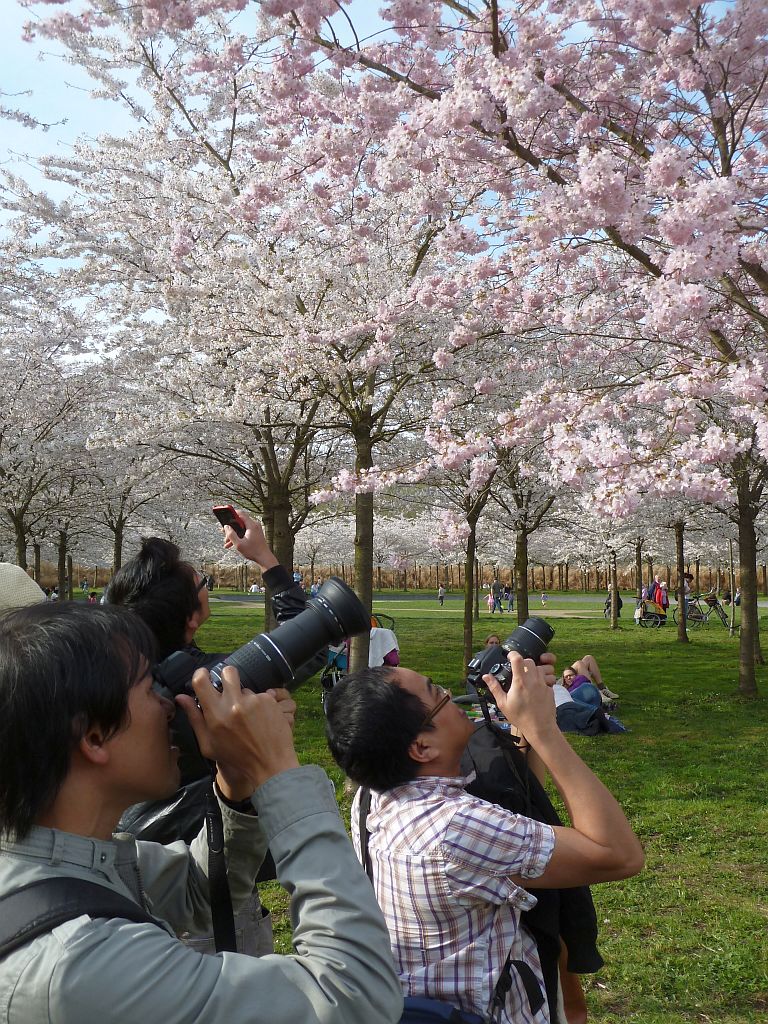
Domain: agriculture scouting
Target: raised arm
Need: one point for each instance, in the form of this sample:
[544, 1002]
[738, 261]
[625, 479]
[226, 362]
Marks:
[343, 971]
[288, 598]
[600, 846]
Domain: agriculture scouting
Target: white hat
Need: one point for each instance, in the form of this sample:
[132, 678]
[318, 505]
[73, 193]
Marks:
[17, 589]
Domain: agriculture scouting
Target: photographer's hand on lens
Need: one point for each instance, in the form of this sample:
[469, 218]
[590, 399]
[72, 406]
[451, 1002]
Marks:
[529, 702]
[248, 735]
[253, 545]
[547, 662]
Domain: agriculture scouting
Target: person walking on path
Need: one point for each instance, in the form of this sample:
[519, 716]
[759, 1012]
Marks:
[441, 595]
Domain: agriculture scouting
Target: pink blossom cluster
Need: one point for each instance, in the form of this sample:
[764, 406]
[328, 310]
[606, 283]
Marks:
[451, 533]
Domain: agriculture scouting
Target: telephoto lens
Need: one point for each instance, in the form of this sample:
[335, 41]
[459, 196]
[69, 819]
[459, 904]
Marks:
[271, 659]
[530, 640]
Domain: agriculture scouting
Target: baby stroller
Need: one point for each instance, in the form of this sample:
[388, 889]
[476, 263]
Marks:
[650, 615]
[384, 649]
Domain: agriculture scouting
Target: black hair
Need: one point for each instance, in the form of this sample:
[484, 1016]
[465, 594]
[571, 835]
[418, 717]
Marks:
[64, 668]
[160, 588]
[370, 724]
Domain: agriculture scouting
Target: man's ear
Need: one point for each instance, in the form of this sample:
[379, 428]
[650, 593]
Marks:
[194, 622]
[93, 747]
[423, 749]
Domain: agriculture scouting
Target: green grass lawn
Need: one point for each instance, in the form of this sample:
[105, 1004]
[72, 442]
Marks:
[685, 941]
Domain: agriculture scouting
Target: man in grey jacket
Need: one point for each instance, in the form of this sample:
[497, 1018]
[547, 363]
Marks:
[84, 734]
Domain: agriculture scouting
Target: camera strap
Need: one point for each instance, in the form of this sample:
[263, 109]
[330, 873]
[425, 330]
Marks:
[222, 914]
[506, 741]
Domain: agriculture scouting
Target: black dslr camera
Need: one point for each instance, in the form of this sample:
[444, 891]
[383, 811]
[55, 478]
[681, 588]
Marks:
[270, 660]
[530, 640]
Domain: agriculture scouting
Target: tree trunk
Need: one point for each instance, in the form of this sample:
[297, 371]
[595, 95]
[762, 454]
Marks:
[521, 575]
[20, 535]
[70, 579]
[117, 546]
[650, 571]
[732, 586]
[363, 547]
[749, 636]
[639, 566]
[36, 550]
[62, 565]
[469, 596]
[476, 612]
[765, 579]
[277, 529]
[682, 634]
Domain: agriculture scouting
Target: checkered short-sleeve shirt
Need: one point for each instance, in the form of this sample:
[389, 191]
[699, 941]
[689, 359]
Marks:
[442, 864]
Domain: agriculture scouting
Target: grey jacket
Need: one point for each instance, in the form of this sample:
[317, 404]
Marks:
[110, 971]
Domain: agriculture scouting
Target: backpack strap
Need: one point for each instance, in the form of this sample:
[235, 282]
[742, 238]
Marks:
[362, 821]
[41, 906]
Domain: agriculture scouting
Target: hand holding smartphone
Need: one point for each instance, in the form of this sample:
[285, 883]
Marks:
[228, 516]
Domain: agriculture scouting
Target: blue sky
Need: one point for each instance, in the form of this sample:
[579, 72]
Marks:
[59, 93]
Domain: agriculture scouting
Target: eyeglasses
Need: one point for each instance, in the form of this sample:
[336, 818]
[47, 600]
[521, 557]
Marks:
[202, 584]
[446, 697]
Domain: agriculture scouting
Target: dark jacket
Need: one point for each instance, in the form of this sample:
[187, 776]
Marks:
[181, 816]
[502, 777]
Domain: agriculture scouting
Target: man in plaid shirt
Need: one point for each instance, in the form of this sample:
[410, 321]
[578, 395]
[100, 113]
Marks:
[451, 871]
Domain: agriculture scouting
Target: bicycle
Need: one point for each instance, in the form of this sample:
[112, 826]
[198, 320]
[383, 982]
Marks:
[699, 614]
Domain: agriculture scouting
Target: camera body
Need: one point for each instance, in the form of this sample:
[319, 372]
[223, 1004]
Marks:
[270, 660]
[531, 640]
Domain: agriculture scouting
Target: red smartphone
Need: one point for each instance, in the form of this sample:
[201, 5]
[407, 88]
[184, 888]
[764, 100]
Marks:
[227, 516]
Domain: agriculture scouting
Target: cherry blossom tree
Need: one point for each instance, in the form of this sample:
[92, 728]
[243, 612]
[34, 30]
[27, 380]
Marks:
[38, 448]
[592, 179]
